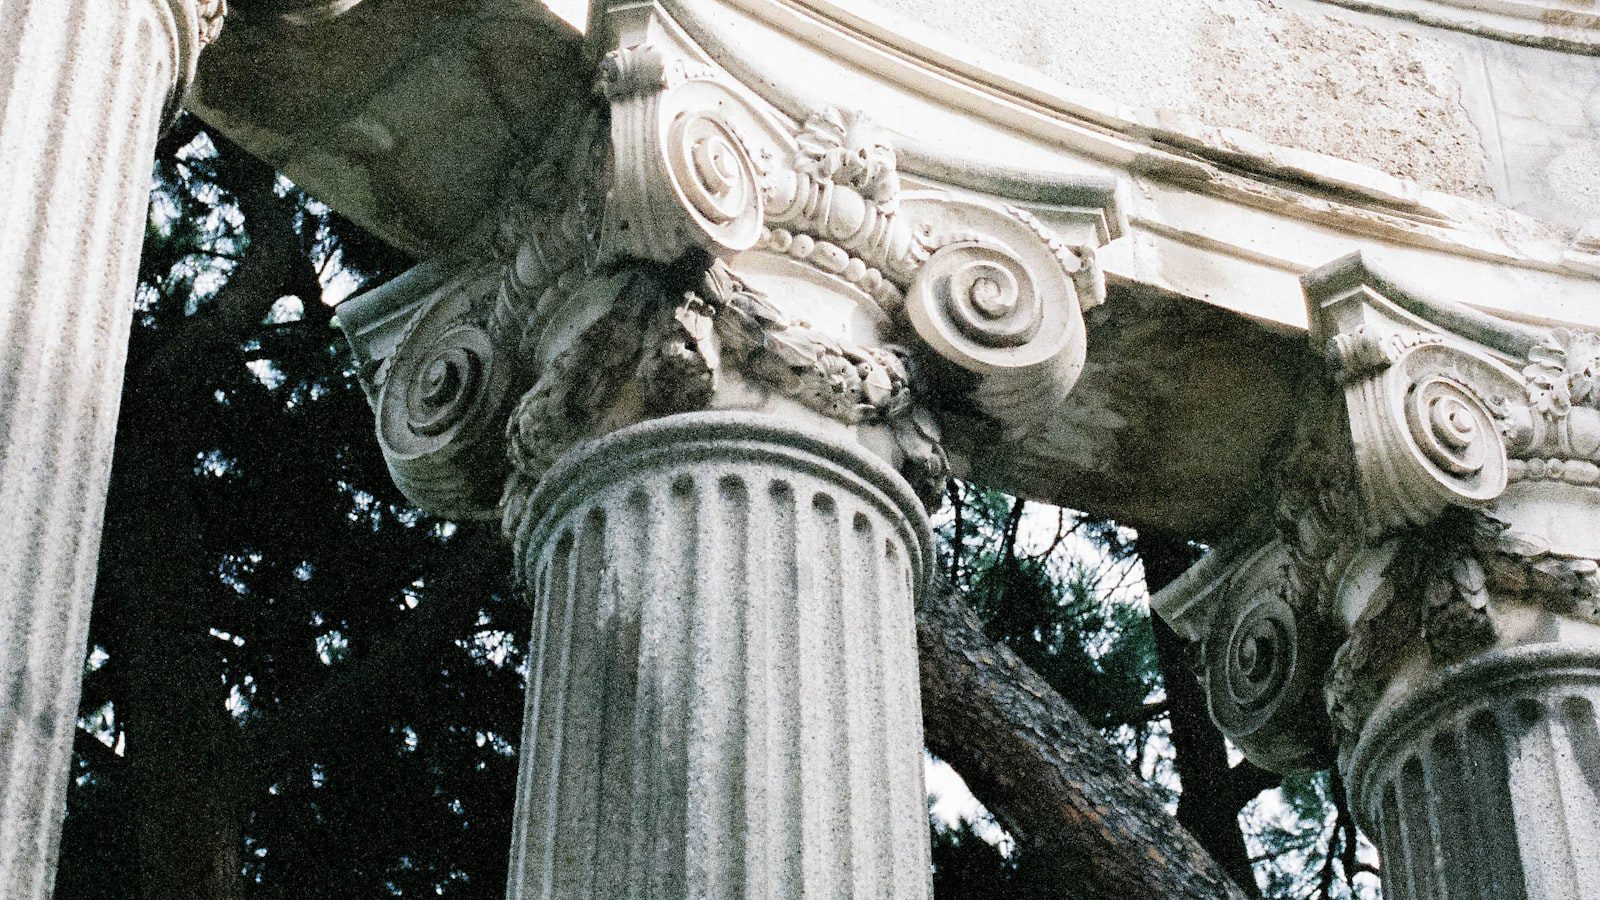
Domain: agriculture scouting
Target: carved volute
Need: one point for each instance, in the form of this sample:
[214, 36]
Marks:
[1428, 588]
[683, 246]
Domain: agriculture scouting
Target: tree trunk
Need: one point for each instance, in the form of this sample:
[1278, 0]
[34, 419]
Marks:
[1048, 776]
[182, 744]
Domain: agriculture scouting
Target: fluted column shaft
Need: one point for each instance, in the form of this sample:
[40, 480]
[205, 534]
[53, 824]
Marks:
[83, 86]
[723, 698]
[1484, 782]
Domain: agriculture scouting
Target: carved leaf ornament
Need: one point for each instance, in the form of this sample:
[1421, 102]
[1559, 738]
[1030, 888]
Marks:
[1559, 434]
[1399, 525]
[1439, 430]
[211, 15]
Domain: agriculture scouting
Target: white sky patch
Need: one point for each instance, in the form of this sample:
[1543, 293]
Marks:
[952, 803]
[575, 12]
[268, 374]
[338, 283]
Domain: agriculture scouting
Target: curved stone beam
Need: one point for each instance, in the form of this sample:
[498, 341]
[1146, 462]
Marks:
[1210, 194]
[1207, 236]
[405, 115]
[295, 12]
[1548, 24]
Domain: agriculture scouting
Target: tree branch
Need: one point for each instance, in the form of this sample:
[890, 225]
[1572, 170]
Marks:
[1074, 806]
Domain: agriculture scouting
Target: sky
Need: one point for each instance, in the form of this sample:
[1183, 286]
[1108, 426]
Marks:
[574, 11]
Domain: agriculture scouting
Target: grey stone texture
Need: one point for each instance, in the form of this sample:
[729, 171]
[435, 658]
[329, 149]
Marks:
[83, 84]
[1485, 781]
[1384, 98]
[1459, 112]
[1538, 114]
[724, 696]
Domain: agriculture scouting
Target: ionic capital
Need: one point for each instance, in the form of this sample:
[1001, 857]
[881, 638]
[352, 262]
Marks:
[1440, 503]
[191, 25]
[682, 246]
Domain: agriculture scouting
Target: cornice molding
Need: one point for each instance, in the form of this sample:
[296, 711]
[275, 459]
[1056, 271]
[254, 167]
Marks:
[1559, 25]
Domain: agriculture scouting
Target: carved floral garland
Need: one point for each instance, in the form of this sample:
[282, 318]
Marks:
[674, 353]
[840, 379]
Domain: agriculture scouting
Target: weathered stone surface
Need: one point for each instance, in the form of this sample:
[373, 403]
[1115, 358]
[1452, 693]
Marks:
[1539, 114]
[1569, 26]
[406, 114]
[724, 685]
[1526, 73]
[83, 87]
[1303, 80]
[1433, 91]
[1138, 439]
[1418, 598]
[725, 689]
[1483, 781]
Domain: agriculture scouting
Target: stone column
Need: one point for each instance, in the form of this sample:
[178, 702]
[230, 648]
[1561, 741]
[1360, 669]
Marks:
[1483, 781]
[724, 698]
[84, 87]
[682, 368]
[1425, 610]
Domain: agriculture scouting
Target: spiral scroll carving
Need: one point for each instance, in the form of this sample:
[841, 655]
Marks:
[682, 175]
[983, 306]
[438, 409]
[995, 299]
[1431, 424]
[1256, 663]
[1453, 428]
[1260, 682]
[713, 171]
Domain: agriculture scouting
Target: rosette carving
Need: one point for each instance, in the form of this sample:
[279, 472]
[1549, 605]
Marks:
[683, 175]
[441, 408]
[1557, 427]
[998, 301]
[1262, 668]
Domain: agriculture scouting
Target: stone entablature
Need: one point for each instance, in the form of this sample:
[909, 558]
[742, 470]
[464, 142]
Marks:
[1219, 214]
[1218, 221]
